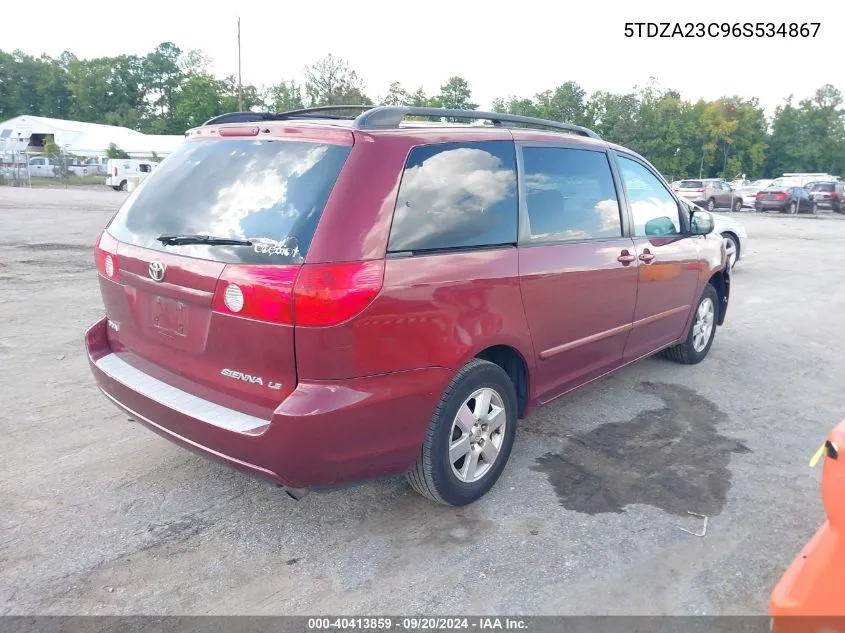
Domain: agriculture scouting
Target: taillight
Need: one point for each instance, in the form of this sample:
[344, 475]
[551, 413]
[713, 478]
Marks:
[105, 256]
[257, 292]
[115, 171]
[314, 295]
[759, 195]
[328, 294]
[700, 190]
[783, 196]
[834, 196]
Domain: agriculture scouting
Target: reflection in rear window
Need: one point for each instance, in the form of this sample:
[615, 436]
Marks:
[270, 192]
[691, 184]
[456, 195]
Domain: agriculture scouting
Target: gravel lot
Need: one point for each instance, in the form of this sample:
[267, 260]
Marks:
[99, 515]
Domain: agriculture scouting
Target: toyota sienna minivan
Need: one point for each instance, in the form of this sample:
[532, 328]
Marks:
[317, 298]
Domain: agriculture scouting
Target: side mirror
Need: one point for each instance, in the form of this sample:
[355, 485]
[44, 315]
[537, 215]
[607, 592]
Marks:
[701, 222]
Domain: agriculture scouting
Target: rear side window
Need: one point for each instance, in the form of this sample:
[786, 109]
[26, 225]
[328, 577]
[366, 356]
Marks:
[569, 195]
[456, 195]
[269, 192]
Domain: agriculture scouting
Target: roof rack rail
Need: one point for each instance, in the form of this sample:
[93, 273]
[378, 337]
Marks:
[249, 117]
[387, 117]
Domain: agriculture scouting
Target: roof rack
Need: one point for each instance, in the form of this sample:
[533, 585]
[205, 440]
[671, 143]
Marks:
[389, 117]
[250, 117]
[386, 117]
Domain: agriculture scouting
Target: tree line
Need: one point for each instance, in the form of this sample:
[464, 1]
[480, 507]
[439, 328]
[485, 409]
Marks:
[170, 90]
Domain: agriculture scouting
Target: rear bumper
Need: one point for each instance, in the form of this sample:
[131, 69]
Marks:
[324, 433]
[771, 206]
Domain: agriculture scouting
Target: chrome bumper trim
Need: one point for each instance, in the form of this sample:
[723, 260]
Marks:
[176, 399]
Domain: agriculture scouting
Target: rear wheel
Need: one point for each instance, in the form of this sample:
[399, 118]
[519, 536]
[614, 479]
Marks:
[793, 208]
[701, 333]
[123, 185]
[738, 205]
[470, 436]
[711, 205]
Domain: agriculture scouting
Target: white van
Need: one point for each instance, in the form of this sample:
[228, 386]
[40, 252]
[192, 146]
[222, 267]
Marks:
[121, 169]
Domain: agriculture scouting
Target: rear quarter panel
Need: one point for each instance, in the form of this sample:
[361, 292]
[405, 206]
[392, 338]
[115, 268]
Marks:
[434, 311]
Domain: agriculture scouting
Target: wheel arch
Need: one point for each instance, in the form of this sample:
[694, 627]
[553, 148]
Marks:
[721, 282]
[513, 362]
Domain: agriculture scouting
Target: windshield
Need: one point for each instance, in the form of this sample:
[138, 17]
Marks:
[268, 192]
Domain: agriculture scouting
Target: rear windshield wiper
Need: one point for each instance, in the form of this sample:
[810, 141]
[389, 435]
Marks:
[177, 240]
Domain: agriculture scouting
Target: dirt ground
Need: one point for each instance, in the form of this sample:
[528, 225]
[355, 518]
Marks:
[99, 515]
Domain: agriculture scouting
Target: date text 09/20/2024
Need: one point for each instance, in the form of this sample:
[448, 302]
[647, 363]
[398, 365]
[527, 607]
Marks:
[416, 624]
[721, 29]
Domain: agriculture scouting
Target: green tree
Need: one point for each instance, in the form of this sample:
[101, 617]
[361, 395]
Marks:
[330, 81]
[614, 116]
[197, 101]
[163, 77]
[565, 103]
[115, 152]
[396, 95]
[456, 94]
[284, 96]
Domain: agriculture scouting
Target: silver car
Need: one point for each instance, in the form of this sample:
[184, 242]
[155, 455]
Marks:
[732, 231]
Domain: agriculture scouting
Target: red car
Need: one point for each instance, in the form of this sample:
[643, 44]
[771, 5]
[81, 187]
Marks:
[318, 299]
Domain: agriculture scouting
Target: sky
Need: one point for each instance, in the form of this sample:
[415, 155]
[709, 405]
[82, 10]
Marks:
[500, 48]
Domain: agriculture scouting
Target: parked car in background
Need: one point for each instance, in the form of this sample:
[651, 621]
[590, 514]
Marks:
[732, 231]
[748, 193]
[43, 167]
[828, 195]
[340, 299]
[813, 585]
[710, 193]
[785, 200]
[120, 170]
[803, 179]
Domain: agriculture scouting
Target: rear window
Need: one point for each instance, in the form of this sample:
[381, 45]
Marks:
[456, 195]
[823, 186]
[691, 184]
[268, 191]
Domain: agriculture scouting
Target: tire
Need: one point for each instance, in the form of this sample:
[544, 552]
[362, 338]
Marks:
[711, 205]
[734, 246]
[793, 208]
[122, 185]
[115, 188]
[738, 205]
[434, 474]
[688, 353]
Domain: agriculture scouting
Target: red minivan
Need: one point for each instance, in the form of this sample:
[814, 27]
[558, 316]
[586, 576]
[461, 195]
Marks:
[317, 298]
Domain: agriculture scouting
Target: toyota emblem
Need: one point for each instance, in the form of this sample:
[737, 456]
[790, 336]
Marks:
[156, 270]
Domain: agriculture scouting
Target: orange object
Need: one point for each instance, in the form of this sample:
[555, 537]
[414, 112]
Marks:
[811, 594]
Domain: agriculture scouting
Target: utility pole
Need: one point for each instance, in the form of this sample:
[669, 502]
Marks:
[240, 85]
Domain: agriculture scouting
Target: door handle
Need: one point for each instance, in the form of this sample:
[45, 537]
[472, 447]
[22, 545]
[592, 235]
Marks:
[646, 257]
[625, 258]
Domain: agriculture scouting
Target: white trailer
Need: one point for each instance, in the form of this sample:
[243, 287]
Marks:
[121, 170]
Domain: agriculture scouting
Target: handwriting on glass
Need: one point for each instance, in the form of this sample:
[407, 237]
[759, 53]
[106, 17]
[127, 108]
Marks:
[276, 248]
